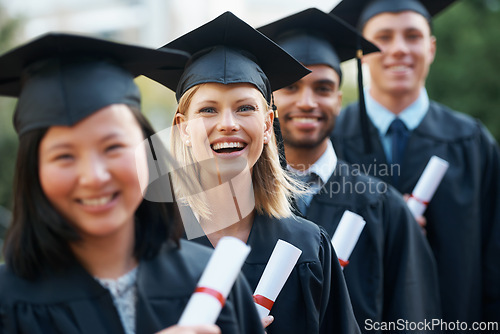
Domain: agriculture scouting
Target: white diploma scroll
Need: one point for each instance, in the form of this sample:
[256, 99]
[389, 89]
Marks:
[427, 185]
[278, 268]
[217, 279]
[346, 236]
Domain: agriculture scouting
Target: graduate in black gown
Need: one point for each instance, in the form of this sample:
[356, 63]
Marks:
[463, 217]
[223, 129]
[391, 273]
[84, 252]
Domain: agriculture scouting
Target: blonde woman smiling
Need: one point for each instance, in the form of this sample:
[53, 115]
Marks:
[85, 253]
[223, 135]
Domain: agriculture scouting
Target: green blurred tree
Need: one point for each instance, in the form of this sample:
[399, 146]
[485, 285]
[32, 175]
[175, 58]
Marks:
[8, 139]
[465, 73]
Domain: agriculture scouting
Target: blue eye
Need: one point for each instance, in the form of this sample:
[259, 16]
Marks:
[247, 108]
[208, 110]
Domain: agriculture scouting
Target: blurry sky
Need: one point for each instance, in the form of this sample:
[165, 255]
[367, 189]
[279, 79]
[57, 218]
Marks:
[161, 20]
[150, 23]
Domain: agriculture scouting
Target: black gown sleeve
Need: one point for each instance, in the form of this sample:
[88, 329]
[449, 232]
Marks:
[73, 302]
[491, 227]
[411, 288]
[69, 302]
[392, 273]
[243, 308]
[338, 315]
[463, 216]
[311, 293]
[167, 283]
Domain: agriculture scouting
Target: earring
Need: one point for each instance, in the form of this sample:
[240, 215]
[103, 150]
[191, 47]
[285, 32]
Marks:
[265, 139]
[188, 142]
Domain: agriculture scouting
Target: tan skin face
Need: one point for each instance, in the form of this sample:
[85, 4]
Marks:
[308, 110]
[235, 115]
[407, 51]
[88, 171]
[399, 71]
[226, 126]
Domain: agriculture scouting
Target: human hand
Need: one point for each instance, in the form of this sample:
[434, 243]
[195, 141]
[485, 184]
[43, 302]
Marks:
[266, 321]
[421, 220]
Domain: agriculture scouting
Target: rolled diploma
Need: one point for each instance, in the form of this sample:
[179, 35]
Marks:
[346, 235]
[278, 268]
[427, 185]
[218, 278]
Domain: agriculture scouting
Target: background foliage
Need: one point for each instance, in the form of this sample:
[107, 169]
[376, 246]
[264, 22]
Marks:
[465, 73]
[464, 76]
[8, 139]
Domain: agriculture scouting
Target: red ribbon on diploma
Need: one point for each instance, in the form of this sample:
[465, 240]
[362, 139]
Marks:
[343, 263]
[419, 200]
[214, 293]
[263, 301]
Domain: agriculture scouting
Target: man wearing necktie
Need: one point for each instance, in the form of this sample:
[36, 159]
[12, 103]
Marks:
[463, 217]
[313, 184]
[391, 272]
[399, 136]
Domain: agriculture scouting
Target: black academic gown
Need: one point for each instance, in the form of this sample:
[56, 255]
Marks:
[315, 294]
[73, 302]
[391, 273]
[463, 218]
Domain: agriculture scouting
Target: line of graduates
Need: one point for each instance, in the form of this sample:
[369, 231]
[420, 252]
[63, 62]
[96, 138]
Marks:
[104, 240]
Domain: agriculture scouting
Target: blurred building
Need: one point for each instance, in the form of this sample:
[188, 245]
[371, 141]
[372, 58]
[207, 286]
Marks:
[142, 22]
[145, 22]
[150, 23]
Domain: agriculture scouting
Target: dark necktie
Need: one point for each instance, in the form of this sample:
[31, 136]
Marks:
[303, 201]
[399, 137]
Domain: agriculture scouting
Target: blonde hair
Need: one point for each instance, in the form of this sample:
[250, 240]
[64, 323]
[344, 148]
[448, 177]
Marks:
[273, 187]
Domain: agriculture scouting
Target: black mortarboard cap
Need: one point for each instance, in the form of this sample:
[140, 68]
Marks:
[62, 78]
[358, 12]
[228, 50]
[314, 37]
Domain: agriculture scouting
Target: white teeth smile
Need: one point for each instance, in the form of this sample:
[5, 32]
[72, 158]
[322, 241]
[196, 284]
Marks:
[399, 68]
[97, 201]
[219, 146]
[305, 119]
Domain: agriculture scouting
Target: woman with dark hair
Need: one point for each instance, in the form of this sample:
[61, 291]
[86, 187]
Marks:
[85, 253]
[39, 237]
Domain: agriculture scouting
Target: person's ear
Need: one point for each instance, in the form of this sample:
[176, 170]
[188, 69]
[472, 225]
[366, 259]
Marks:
[268, 125]
[338, 107]
[182, 126]
[432, 49]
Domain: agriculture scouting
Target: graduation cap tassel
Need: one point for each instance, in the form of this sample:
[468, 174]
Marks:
[362, 107]
[279, 137]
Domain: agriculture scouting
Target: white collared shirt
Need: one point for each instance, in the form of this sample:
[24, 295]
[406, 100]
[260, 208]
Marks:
[323, 167]
[382, 118]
